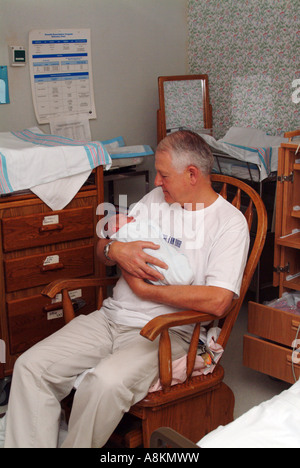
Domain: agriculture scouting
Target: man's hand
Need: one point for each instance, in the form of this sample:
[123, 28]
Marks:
[130, 256]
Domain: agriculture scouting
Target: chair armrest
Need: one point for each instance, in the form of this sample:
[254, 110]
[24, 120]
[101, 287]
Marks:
[163, 322]
[160, 326]
[64, 285]
[58, 285]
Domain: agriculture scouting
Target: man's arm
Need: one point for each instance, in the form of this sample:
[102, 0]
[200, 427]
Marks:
[208, 299]
[131, 257]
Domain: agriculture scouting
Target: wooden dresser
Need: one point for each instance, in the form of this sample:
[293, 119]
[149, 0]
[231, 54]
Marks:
[271, 350]
[38, 245]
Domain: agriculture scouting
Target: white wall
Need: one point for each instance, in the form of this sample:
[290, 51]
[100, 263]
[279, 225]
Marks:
[133, 42]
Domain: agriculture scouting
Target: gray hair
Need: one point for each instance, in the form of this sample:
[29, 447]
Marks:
[187, 148]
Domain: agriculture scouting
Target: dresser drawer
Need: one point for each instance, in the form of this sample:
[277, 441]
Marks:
[273, 324]
[33, 319]
[270, 359]
[47, 228]
[35, 270]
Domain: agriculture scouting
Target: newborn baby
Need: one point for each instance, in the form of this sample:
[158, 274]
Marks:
[127, 229]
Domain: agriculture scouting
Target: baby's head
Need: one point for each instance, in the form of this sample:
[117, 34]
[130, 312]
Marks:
[116, 222]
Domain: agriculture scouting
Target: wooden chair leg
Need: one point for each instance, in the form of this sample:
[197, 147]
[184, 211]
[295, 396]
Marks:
[165, 437]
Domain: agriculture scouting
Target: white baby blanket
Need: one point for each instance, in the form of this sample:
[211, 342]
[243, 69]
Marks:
[179, 271]
[31, 158]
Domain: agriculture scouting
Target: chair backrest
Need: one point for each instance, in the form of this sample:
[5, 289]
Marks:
[247, 200]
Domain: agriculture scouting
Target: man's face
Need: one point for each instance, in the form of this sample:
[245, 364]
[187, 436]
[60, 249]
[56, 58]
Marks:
[173, 183]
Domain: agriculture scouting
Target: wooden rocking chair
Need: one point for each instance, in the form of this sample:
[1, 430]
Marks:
[202, 403]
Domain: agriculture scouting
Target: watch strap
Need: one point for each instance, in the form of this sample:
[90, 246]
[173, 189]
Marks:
[106, 250]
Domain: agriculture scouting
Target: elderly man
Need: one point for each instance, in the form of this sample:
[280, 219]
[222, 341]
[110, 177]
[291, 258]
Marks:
[198, 223]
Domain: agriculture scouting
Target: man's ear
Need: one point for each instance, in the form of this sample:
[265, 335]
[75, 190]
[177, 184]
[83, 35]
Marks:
[194, 173]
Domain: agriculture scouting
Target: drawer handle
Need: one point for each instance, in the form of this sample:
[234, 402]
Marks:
[52, 267]
[51, 227]
[77, 305]
[295, 325]
[51, 307]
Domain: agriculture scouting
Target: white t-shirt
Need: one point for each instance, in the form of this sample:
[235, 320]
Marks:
[214, 239]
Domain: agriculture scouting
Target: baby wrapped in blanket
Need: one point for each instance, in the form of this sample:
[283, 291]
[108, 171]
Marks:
[126, 229]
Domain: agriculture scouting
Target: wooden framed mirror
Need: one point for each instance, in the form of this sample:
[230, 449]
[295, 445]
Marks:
[183, 103]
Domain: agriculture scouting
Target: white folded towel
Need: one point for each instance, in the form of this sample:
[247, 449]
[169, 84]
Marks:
[53, 167]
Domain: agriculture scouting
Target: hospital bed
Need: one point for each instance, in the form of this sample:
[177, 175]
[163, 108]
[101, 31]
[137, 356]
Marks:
[245, 153]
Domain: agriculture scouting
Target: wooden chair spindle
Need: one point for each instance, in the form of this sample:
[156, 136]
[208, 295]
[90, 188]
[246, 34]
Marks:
[165, 360]
[67, 306]
[191, 357]
[223, 191]
[249, 214]
[237, 199]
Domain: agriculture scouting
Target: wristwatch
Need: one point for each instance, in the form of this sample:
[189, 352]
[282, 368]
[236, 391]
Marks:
[106, 250]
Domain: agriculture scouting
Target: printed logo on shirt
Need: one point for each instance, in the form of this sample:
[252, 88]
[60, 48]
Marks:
[172, 241]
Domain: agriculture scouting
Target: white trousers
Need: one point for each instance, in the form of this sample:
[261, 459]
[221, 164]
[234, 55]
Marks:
[125, 365]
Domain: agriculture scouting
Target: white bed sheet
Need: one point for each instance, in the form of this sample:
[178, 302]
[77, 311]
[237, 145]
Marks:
[237, 169]
[249, 145]
[272, 424]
